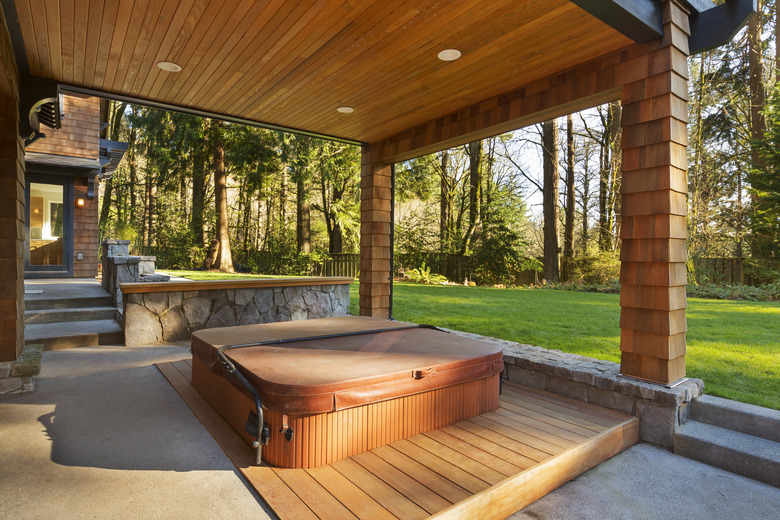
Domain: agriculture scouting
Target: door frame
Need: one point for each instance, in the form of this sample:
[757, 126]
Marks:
[68, 202]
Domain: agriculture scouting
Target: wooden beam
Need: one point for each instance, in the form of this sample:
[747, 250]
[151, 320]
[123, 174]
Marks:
[593, 83]
[640, 20]
[654, 207]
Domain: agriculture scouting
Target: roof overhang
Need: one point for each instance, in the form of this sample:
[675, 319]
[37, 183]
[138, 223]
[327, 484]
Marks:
[290, 65]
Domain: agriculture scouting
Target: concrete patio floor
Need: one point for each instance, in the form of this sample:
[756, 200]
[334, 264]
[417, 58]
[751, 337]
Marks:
[105, 435]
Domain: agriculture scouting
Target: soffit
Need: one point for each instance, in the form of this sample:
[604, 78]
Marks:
[292, 63]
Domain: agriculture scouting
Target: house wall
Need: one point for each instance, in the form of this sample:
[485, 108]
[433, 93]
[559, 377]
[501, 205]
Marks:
[79, 135]
[11, 208]
[85, 232]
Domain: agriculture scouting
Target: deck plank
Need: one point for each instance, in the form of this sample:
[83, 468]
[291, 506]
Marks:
[614, 417]
[401, 482]
[531, 444]
[524, 488]
[576, 418]
[425, 476]
[497, 450]
[447, 470]
[384, 494]
[352, 497]
[560, 423]
[479, 470]
[313, 494]
[487, 467]
[556, 430]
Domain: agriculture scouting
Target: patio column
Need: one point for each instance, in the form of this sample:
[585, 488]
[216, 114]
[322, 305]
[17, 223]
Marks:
[654, 206]
[11, 207]
[375, 227]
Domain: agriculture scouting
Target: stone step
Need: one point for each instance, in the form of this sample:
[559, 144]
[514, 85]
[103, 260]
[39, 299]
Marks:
[69, 315]
[746, 418]
[33, 304]
[56, 336]
[740, 453]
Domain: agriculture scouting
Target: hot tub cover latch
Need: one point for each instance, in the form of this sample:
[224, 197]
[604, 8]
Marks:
[420, 373]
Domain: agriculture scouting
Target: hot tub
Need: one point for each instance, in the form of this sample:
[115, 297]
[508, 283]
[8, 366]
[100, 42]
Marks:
[335, 387]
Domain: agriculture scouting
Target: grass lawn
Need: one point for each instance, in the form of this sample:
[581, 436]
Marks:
[216, 275]
[734, 346]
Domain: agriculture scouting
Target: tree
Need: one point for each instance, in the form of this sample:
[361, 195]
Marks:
[551, 179]
[225, 259]
[568, 228]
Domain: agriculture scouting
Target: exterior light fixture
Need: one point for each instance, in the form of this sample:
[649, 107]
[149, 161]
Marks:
[80, 202]
[345, 110]
[169, 66]
[449, 55]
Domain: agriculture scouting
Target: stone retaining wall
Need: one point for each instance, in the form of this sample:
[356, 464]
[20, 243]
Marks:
[660, 410]
[162, 316]
[18, 377]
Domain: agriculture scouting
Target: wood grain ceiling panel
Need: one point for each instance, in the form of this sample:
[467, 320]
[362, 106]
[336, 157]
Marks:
[292, 63]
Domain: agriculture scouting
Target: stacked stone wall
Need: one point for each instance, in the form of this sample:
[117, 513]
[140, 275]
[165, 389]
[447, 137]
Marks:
[156, 317]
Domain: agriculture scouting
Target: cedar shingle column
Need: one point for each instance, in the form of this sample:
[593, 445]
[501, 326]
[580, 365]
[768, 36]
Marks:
[11, 207]
[654, 187]
[375, 225]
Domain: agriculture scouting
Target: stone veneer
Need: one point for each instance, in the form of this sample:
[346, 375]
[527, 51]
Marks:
[660, 409]
[18, 376]
[173, 314]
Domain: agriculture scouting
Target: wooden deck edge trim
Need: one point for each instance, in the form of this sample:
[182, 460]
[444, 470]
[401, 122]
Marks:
[515, 493]
[273, 491]
[248, 283]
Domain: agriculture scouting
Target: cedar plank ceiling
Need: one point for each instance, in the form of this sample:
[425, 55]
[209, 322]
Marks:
[292, 63]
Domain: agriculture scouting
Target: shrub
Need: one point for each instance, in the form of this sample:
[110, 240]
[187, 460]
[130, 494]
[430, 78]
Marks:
[424, 275]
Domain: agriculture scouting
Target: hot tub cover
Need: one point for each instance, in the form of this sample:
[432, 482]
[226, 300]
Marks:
[310, 370]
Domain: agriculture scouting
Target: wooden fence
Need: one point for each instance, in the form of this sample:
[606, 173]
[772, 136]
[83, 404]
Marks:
[456, 268]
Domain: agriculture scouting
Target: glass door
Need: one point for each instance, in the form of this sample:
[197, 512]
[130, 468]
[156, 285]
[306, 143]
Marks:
[49, 218]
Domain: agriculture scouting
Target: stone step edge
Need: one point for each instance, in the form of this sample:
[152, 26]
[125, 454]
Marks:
[62, 316]
[733, 451]
[737, 416]
[67, 303]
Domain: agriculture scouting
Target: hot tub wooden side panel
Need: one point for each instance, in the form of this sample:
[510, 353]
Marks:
[321, 439]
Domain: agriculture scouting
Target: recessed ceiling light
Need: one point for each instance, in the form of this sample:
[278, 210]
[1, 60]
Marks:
[345, 110]
[449, 55]
[168, 66]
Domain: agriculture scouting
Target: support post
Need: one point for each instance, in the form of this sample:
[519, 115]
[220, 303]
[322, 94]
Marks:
[11, 207]
[654, 187]
[375, 229]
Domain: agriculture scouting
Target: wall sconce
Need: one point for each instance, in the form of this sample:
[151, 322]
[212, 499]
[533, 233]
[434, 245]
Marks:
[80, 202]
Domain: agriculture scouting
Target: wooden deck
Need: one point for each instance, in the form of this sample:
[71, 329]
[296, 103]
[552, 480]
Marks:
[487, 466]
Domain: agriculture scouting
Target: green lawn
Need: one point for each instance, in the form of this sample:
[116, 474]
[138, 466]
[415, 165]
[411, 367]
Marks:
[734, 346]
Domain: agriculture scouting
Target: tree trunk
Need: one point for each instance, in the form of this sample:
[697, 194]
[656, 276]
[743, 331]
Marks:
[220, 195]
[615, 171]
[336, 233]
[604, 155]
[198, 199]
[133, 171]
[568, 230]
[444, 203]
[550, 201]
[475, 185]
[303, 223]
[757, 104]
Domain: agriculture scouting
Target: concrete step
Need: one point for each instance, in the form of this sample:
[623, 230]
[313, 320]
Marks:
[746, 418]
[56, 336]
[68, 315]
[38, 303]
[740, 453]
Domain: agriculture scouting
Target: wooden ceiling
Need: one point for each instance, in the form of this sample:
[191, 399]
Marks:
[292, 63]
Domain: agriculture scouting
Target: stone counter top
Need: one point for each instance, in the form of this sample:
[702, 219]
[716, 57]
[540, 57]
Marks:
[243, 283]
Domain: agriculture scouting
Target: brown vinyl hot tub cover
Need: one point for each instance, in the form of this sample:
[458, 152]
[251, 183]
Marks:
[316, 373]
